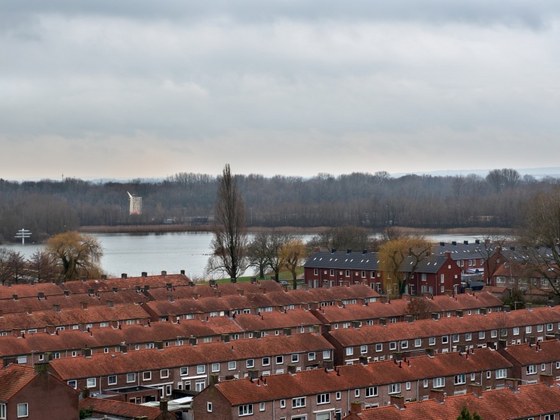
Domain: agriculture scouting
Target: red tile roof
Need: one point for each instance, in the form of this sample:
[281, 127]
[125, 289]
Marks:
[134, 361]
[119, 408]
[13, 379]
[452, 325]
[499, 404]
[359, 376]
[276, 320]
[542, 352]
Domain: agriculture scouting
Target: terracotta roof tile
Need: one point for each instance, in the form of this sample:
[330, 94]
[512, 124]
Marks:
[119, 408]
[13, 378]
[358, 376]
[499, 404]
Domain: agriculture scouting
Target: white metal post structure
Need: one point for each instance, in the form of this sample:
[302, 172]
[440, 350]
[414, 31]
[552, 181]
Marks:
[22, 234]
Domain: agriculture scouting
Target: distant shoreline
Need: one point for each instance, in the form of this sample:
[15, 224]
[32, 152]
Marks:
[174, 228]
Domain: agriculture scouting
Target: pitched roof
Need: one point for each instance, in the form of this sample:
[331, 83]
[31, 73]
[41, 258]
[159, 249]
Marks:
[119, 408]
[542, 352]
[452, 325]
[152, 359]
[14, 378]
[346, 377]
[343, 260]
[497, 404]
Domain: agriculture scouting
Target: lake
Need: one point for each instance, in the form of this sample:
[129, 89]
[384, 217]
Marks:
[172, 252]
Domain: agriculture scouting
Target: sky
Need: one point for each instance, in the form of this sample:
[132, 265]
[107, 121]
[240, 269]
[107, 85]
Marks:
[142, 89]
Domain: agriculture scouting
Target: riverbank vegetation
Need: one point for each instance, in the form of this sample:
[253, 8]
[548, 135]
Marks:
[186, 202]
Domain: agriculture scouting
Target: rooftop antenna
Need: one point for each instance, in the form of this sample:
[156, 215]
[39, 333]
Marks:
[22, 234]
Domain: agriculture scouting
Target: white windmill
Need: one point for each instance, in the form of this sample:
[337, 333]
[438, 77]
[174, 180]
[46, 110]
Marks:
[135, 204]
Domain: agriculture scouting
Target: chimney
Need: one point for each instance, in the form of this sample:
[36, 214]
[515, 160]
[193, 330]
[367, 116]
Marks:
[67, 292]
[192, 340]
[56, 308]
[477, 241]
[123, 347]
[454, 243]
[163, 273]
[355, 407]
[548, 380]
[475, 389]
[103, 276]
[182, 272]
[437, 395]
[398, 401]
[15, 296]
[333, 250]
[348, 251]
[214, 379]
[163, 406]
[292, 369]
[513, 384]
[465, 242]
[382, 321]
[115, 289]
[144, 274]
[41, 295]
[363, 360]
[124, 276]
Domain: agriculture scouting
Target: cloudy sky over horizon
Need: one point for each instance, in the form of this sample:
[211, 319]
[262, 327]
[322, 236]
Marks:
[138, 88]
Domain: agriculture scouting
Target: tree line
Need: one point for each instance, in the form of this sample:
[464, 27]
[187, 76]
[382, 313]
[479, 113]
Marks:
[373, 201]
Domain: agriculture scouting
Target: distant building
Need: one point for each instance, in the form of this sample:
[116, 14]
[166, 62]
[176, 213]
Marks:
[135, 204]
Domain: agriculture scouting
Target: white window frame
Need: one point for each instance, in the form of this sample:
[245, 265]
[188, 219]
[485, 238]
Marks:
[91, 382]
[245, 410]
[23, 406]
[298, 402]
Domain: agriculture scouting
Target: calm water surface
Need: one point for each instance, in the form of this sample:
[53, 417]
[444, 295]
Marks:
[172, 252]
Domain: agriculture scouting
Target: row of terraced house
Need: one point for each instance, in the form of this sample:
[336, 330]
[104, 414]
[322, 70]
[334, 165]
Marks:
[157, 338]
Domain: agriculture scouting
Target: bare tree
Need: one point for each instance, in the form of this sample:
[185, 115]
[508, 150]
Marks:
[541, 237]
[230, 237]
[258, 252]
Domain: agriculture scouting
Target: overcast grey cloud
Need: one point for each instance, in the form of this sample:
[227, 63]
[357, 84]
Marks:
[147, 89]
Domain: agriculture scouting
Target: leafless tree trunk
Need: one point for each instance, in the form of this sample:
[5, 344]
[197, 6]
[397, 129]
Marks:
[230, 236]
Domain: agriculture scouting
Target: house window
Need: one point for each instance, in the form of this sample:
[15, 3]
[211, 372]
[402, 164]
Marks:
[371, 391]
[347, 273]
[531, 369]
[91, 382]
[266, 361]
[326, 354]
[439, 382]
[164, 373]
[130, 377]
[460, 379]
[311, 356]
[394, 388]
[147, 376]
[282, 403]
[245, 410]
[200, 369]
[481, 335]
[393, 345]
[418, 342]
[356, 393]
[315, 271]
[379, 347]
[363, 349]
[549, 327]
[349, 351]
[262, 406]
[298, 402]
[72, 383]
[184, 370]
[250, 363]
[408, 386]
[501, 373]
[323, 398]
[445, 339]
[515, 330]
[209, 407]
[232, 365]
[338, 395]
[494, 333]
[468, 336]
[489, 374]
[112, 379]
[22, 410]
[279, 360]
[2, 411]
[295, 358]
[432, 341]
[528, 329]
[404, 344]
[540, 328]
[455, 338]
[425, 383]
